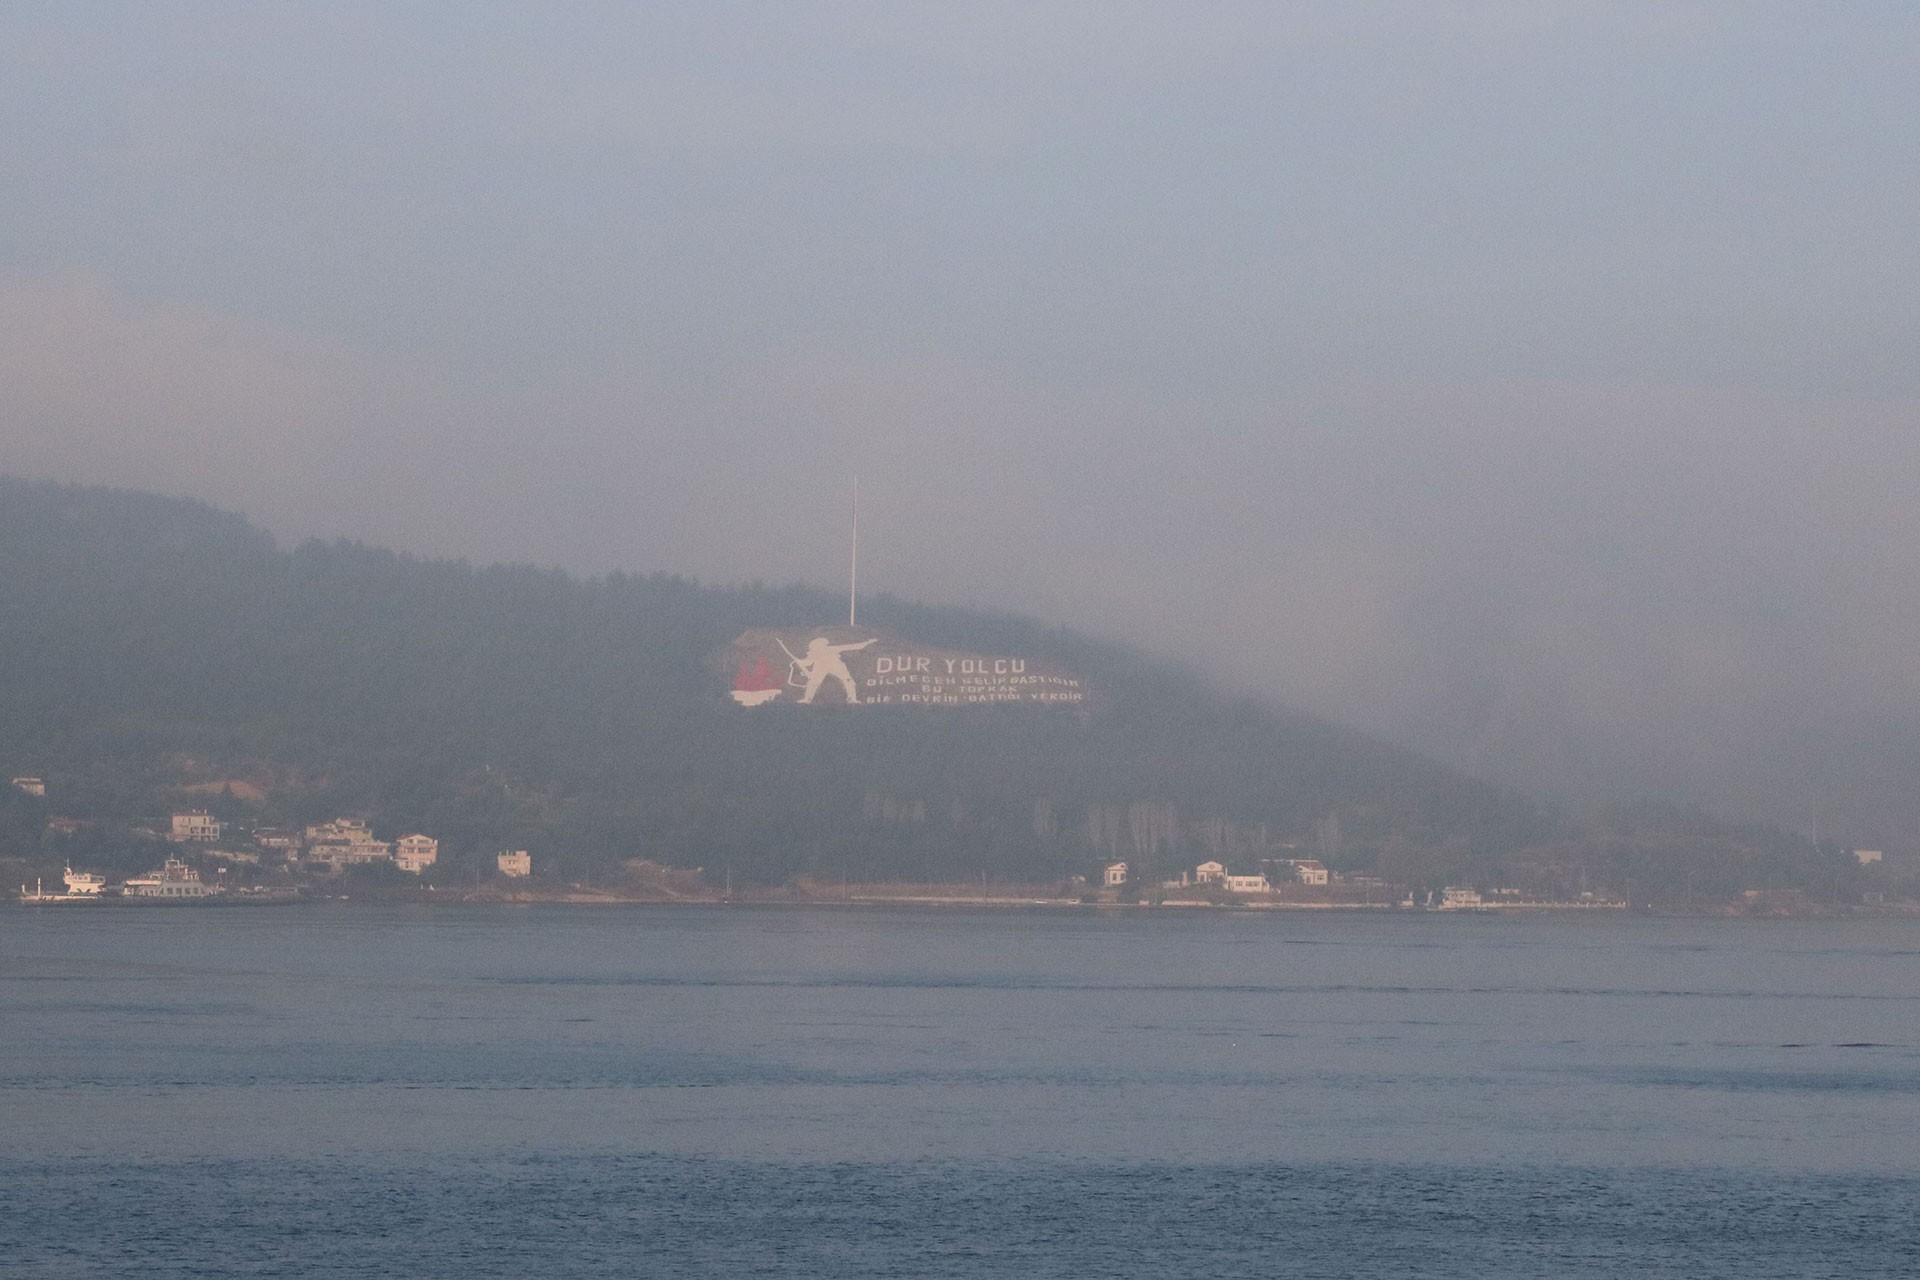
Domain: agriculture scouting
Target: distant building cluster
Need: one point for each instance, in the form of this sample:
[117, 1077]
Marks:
[343, 842]
[329, 847]
[1272, 873]
[325, 847]
[1464, 898]
[1357, 888]
[350, 842]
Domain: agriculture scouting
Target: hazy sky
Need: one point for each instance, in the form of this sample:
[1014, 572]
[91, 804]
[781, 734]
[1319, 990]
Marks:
[1532, 382]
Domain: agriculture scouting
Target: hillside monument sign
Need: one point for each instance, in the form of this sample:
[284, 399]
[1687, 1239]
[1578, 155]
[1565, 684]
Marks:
[859, 667]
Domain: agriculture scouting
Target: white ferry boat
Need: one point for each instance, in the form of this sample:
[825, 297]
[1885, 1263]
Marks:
[174, 881]
[82, 886]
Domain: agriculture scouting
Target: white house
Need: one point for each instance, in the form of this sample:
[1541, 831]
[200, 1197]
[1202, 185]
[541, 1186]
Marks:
[195, 825]
[1299, 870]
[1866, 856]
[516, 863]
[1454, 898]
[32, 786]
[1209, 873]
[1115, 875]
[415, 853]
[1248, 884]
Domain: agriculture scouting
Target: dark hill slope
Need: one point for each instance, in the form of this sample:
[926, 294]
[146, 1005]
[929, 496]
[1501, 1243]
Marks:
[147, 644]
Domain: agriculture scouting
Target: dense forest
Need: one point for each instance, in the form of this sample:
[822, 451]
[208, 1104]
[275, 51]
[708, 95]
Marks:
[156, 652]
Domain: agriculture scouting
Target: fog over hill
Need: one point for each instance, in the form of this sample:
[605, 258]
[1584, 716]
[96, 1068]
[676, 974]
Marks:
[159, 651]
[151, 644]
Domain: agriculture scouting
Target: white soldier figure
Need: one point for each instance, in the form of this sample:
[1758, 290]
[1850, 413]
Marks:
[822, 663]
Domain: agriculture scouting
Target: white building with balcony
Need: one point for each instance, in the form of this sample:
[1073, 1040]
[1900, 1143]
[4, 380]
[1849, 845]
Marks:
[415, 853]
[339, 831]
[195, 826]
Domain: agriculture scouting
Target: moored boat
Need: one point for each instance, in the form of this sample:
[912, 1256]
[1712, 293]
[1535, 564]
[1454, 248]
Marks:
[175, 881]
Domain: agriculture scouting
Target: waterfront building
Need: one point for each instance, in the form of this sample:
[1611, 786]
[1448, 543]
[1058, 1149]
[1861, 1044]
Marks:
[340, 831]
[415, 853]
[352, 851]
[279, 839]
[517, 863]
[1115, 875]
[1210, 873]
[344, 842]
[1248, 884]
[1300, 870]
[195, 826]
[32, 786]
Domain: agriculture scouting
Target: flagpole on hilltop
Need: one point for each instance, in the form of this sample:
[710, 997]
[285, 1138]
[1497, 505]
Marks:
[853, 564]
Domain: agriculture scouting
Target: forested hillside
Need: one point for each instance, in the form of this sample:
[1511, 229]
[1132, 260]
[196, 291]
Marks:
[156, 652]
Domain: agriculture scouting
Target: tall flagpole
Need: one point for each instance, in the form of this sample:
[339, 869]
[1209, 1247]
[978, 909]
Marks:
[853, 565]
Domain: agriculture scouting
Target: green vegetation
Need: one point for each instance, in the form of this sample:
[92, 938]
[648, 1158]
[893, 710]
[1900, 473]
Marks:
[150, 645]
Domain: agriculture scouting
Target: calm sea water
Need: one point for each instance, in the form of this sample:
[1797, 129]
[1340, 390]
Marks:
[815, 1093]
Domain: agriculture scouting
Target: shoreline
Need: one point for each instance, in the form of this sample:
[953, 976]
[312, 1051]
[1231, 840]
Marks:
[1031, 901]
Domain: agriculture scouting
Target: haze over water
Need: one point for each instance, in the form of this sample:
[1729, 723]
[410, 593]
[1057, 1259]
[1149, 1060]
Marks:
[1531, 384]
[818, 1092]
